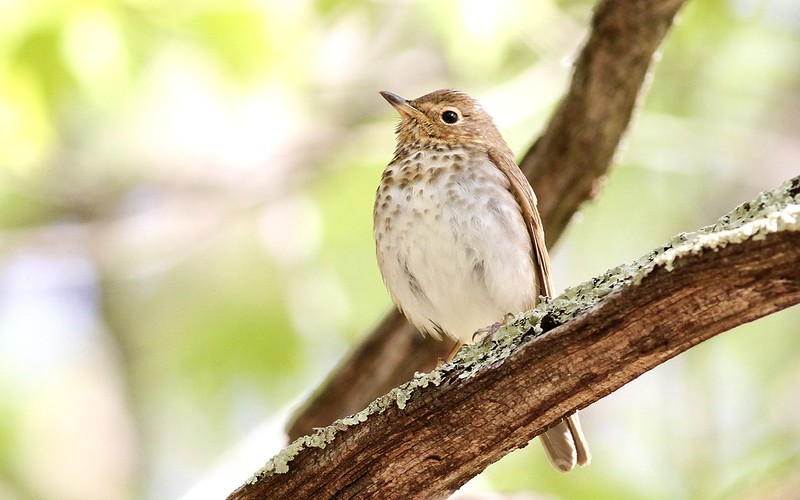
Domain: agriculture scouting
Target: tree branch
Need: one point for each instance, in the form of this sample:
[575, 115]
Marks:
[567, 164]
[564, 165]
[428, 437]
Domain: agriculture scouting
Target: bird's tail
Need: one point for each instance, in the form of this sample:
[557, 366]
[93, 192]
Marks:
[565, 445]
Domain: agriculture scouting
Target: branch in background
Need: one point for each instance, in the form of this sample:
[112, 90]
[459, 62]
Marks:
[428, 437]
[378, 364]
[564, 166]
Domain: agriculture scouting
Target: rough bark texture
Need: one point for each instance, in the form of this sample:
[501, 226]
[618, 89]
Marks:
[427, 438]
[565, 167]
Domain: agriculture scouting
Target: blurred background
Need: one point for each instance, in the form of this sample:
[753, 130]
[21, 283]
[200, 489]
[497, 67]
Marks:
[185, 230]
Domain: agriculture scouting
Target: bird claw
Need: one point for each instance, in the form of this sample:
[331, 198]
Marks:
[452, 354]
[488, 331]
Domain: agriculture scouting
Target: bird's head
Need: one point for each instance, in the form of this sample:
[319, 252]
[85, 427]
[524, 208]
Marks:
[443, 117]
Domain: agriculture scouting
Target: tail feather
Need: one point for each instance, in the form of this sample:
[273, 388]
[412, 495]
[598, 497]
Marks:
[565, 444]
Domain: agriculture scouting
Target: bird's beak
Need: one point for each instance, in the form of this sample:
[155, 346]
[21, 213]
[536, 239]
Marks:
[401, 105]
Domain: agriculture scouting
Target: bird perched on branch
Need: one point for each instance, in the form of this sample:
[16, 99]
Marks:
[459, 238]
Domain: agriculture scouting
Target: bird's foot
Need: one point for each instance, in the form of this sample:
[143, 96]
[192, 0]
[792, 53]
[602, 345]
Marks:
[488, 331]
[452, 354]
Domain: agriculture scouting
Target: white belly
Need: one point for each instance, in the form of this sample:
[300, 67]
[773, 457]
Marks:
[454, 252]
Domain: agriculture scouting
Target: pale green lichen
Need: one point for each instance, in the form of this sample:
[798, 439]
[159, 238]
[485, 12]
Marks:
[773, 211]
[322, 437]
[770, 212]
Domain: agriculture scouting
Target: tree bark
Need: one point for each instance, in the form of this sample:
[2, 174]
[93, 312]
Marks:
[428, 437]
[565, 165]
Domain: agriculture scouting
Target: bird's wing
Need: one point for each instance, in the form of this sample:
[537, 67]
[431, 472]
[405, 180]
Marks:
[564, 442]
[523, 193]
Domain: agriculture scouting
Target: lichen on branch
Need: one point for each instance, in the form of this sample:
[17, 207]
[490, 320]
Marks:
[561, 356]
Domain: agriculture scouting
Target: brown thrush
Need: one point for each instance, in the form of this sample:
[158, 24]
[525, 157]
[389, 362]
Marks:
[459, 238]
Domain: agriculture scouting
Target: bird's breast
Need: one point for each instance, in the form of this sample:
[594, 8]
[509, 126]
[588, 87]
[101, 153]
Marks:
[452, 246]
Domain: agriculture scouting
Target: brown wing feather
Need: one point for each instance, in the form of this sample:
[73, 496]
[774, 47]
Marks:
[564, 443]
[523, 193]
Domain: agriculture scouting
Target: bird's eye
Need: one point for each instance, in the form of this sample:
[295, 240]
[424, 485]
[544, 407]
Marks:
[449, 117]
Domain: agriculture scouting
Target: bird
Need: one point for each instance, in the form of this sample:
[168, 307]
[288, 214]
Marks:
[458, 236]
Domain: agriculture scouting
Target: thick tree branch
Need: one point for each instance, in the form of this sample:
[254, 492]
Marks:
[428, 437]
[564, 165]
